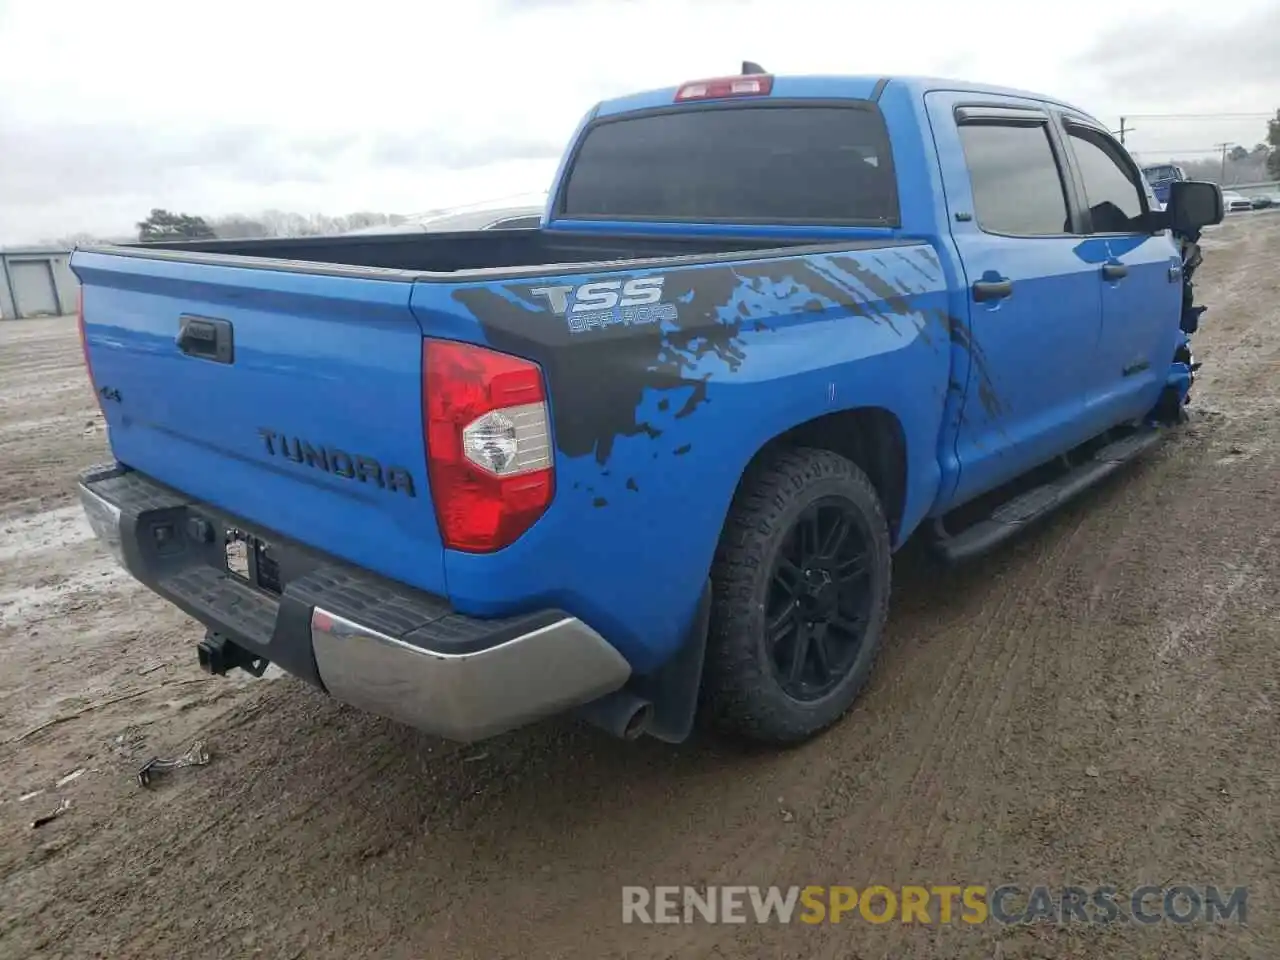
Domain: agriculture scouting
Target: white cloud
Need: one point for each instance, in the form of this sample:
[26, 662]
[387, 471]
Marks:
[109, 109]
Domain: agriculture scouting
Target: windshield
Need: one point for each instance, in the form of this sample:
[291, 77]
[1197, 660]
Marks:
[1162, 172]
[758, 163]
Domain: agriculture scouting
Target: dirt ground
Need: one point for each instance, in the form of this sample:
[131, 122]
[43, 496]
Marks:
[1096, 703]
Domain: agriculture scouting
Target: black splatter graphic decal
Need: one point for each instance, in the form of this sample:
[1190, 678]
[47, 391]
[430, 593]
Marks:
[987, 395]
[598, 380]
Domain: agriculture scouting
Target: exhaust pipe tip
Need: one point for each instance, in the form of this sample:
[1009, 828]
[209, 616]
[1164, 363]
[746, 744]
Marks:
[638, 722]
[620, 714]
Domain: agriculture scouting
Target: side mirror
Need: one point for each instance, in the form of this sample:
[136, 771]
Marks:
[1194, 204]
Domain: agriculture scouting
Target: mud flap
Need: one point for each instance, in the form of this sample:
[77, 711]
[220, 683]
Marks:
[674, 688]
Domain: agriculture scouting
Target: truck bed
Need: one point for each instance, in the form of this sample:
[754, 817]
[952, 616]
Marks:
[450, 253]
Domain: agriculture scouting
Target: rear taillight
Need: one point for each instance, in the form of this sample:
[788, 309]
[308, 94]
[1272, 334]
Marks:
[488, 444]
[755, 85]
[84, 346]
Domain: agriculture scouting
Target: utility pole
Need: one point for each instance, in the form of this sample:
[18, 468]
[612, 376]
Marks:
[1223, 147]
[1124, 130]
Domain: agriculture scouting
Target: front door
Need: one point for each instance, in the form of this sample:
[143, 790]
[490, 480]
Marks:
[1139, 275]
[1034, 307]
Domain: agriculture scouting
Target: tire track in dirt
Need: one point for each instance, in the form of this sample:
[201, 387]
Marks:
[1028, 625]
[998, 639]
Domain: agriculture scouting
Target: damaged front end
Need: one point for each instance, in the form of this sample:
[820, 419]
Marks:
[1176, 396]
[1193, 205]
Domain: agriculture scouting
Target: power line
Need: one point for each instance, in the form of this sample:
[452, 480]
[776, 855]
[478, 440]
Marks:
[1173, 150]
[1199, 116]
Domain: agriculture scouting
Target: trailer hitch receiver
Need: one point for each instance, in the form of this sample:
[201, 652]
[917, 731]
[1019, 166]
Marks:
[219, 654]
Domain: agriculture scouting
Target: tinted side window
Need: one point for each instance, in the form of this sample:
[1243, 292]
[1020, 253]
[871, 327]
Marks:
[1017, 187]
[754, 164]
[1113, 195]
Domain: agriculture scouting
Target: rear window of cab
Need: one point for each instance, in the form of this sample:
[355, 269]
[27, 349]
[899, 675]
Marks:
[763, 162]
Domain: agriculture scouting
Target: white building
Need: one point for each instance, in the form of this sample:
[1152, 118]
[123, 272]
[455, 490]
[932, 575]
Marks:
[36, 282]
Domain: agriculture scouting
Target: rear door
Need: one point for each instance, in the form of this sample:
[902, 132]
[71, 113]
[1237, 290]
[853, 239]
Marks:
[1139, 273]
[289, 398]
[1034, 305]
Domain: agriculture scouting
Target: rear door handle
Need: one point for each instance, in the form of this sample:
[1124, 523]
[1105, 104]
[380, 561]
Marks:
[1114, 271]
[987, 290]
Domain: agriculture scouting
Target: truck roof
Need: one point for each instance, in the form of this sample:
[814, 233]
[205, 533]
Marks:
[833, 87]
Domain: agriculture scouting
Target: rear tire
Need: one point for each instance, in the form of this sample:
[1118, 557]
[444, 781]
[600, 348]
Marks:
[800, 596]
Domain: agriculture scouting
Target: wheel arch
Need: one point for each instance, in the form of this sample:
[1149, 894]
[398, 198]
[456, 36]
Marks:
[871, 437]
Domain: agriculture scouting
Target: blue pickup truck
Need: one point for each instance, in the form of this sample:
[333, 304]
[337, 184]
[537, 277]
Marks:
[650, 460]
[1161, 177]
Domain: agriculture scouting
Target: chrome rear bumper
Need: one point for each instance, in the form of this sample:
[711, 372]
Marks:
[377, 645]
[465, 696]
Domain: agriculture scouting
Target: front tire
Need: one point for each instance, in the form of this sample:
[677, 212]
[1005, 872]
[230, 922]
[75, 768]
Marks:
[800, 597]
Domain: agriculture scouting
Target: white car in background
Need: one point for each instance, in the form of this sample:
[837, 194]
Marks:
[1233, 202]
[494, 218]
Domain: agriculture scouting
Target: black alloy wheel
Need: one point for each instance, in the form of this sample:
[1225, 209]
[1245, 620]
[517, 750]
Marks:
[820, 599]
[800, 595]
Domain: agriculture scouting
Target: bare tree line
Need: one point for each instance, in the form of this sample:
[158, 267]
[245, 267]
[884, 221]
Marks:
[268, 223]
[281, 223]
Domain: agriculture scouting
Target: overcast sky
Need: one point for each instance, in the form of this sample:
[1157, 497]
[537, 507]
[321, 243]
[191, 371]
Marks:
[109, 109]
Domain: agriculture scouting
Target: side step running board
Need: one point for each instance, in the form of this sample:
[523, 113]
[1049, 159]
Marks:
[1013, 516]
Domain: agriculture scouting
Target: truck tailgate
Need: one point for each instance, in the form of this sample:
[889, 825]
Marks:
[292, 399]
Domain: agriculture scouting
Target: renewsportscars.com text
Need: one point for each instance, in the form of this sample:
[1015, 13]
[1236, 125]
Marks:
[939, 904]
